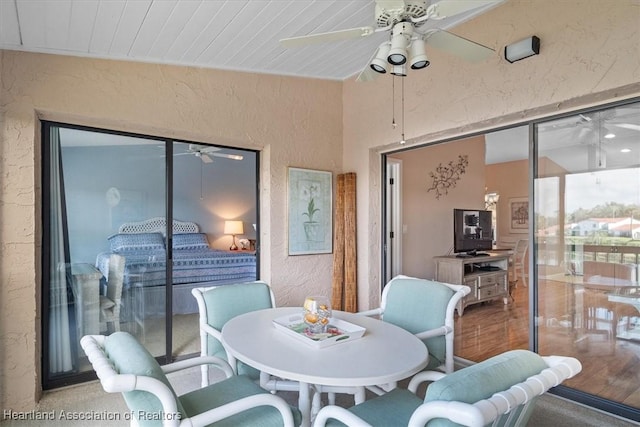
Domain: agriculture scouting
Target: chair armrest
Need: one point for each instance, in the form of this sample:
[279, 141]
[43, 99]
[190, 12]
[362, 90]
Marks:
[457, 412]
[240, 405]
[374, 312]
[338, 413]
[442, 330]
[221, 364]
[424, 376]
[211, 331]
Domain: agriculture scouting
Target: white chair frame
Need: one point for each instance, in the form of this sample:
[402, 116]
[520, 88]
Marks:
[477, 414]
[114, 382]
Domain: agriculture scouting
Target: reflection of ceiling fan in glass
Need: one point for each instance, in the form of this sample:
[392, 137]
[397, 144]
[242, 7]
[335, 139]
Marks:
[206, 152]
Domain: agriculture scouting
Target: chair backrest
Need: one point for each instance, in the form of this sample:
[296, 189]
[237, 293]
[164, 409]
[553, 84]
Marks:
[503, 388]
[124, 365]
[418, 305]
[520, 251]
[115, 279]
[219, 304]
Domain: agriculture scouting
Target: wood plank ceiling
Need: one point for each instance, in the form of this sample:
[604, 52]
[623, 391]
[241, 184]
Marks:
[240, 35]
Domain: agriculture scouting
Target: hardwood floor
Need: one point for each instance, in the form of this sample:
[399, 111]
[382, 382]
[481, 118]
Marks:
[572, 321]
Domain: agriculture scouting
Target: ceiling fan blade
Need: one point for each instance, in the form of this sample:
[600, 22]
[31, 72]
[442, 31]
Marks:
[445, 8]
[208, 149]
[228, 156]
[459, 46]
[205, 158]
[627, 126]
[327, 37]
[366, 75]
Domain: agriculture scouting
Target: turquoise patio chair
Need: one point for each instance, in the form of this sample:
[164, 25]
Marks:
[123, 365]
[499, 391]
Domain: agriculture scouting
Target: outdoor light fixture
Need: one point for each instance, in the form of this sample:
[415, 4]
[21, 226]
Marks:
[379, 63]
[401, 36]
[418, 55]
[522, 49]
[234, 228]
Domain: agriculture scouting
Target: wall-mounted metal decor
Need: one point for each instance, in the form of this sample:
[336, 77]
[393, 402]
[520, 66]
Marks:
[447, 176]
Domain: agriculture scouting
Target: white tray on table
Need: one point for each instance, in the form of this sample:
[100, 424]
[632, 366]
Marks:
[339, 331]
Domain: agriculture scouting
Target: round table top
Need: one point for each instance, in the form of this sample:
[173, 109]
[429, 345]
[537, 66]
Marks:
[385, 353]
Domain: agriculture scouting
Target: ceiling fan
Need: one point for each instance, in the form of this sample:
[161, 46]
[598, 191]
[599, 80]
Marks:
[205, 152]
[410, 24]
[602, 126]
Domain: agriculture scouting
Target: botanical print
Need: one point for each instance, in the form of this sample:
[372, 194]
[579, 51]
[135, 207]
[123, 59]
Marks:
[310, 212]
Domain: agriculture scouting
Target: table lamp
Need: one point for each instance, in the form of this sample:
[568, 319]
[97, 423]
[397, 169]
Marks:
[234, 228]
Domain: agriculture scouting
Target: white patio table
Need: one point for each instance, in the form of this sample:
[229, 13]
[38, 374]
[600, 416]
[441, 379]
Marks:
[384, 354]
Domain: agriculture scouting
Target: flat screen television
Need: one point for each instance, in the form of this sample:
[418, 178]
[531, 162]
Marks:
[471, 231]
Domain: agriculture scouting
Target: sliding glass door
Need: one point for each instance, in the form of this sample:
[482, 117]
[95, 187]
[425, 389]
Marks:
[213, 188]
[113, 203]
[587, 244]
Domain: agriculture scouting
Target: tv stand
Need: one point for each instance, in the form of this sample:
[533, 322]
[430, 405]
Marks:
[485, 274]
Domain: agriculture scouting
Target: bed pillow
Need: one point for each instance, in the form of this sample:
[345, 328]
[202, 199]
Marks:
[190, 241]
[136, 242]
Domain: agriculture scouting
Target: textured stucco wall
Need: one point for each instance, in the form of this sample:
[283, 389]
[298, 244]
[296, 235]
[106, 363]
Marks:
[296, 122]
[589, 55]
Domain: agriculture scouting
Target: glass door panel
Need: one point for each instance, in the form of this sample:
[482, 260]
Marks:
[211, 186]
[587, 243]
[95, 268]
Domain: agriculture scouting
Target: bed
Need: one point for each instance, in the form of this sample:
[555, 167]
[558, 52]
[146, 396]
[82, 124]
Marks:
[194, 264]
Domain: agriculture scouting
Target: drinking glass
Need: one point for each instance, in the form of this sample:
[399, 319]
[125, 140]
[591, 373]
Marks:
[316, 313]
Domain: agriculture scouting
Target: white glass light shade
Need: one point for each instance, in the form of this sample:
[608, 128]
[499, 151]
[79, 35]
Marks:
[418, 55]
[399, 70]
[379, 63]
[399, 42]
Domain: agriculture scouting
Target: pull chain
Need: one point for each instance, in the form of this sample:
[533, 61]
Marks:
[393, 101]
[402, 141]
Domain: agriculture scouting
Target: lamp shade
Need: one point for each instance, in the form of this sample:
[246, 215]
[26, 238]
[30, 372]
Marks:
[233, 227]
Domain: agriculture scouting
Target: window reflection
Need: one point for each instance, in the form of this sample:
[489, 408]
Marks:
[587, 231]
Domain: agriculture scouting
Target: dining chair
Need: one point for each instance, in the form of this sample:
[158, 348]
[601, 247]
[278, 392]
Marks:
[216, 306]
[110, 303]
[123, 365]
[520, 260]
[424, 308]
[498, 391]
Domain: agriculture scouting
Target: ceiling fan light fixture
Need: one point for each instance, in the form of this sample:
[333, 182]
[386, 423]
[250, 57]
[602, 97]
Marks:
[400, 39]
[379, 63]
[418, 55]
[399, 70]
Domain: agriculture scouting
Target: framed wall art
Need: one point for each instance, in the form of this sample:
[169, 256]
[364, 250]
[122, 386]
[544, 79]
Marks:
[519, 215]
[310, 212]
